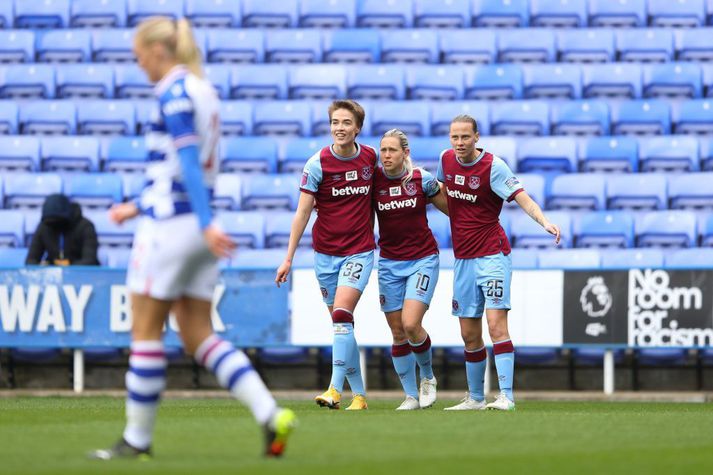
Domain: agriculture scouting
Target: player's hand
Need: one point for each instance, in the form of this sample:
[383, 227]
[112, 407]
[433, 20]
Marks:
[554, 230]
[218, 242]
[282, 272]
[123, 211]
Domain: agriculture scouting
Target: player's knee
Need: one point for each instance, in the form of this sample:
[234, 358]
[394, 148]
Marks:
[340, 315]
[413, 330]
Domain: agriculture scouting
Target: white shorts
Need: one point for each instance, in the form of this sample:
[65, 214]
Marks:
[170, 259]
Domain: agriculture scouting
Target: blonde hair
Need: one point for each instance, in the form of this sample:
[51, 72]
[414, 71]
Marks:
[403, 141]
[176, 36]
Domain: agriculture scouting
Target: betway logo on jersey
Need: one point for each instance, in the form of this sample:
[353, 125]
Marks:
[397, 204]
[459, 195]
[351, 190]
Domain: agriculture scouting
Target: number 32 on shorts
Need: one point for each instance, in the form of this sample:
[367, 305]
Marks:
[353, 270]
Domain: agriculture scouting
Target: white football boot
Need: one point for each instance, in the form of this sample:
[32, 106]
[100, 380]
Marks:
[502, 403]
[467, 404]
[427, 392]
[409, 404]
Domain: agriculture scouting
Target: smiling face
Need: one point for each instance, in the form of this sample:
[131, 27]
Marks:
[344, 128]
[392, 155]
[463, 139]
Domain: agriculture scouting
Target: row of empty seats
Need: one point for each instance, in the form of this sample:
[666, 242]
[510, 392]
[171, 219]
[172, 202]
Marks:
[362, 13]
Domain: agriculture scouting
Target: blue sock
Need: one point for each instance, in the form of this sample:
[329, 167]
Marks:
[405, 366]
[341, 353]
[505, 364]
[354, 369]
[475, 363]
[422, 353]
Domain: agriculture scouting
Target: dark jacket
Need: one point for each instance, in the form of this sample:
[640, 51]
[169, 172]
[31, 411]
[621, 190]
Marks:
[62, 223]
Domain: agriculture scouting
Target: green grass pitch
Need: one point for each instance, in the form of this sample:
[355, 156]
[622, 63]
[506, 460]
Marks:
[204, 436]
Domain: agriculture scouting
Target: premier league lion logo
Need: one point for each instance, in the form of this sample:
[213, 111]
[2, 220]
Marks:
[410, 189]
[366, 173]
[474, 182]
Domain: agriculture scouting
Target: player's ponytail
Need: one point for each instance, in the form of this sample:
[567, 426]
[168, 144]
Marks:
[187, 51]
[176, 36]
[403, 141]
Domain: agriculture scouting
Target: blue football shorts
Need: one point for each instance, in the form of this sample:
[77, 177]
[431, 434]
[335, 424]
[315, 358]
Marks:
[335, 271]
[401, 280]
[480, 283]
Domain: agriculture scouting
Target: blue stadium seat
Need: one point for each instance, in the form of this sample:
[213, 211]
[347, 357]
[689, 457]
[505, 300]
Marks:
[70, 154]
[435, 83]
[132, 185]
[33, 216]
[259, 82]
[27, 81]
[626, 259]
[94, 14]
[139, 10]
[320, 118]
[605, 229]
[651, 117]
[12, 229]
[526, 45]
[41, 15]
[612, 81]
[7, 15]
[219, 77]
[557, 81]
[48, 117]
[500, 13]
[327, 13]
[277, 230]
[412, 117]
[409, 46]
[439, 14]
[639, 191]
[609, 154]
[644, 45]
[227, 192]
[503, 147]
[580, 118]
[706, 150]
[296, 152]
[236, 46]
[236, 118]
[85, 81]
[126, 155]
[693, 117]
[110, 234]
[578, 191]
[258, 259]
[12, 257]
[94, 190]
[494, 82]
[547, 154]
[385, 14]
[282, 118]
[293, 46]
[270, 13]
[691, 191]
[693, 45]
[671, 153]
[679, 14]
[213, 13]
[9, 114]
[113, 45]
[17, 46]
[106, 118]
[520, 118]
[707, 79]
[707, 232]
[351, 46]
[570, 259]
[440, 227]
[696, 258]
[524, 259]
[467, 46]
[271, 191]
[534, 185]
[527, 233]
[29, 190]
[132, 83]
[19, 153]
[558, 13]
[317, 82]
[248, 154]
[63, 46]
[247, 229]
[585, 46]
[675, 81]
[659, 357]
[378, 82]
[442, 115]
[622, 14]
[666, 229]
[586, 356]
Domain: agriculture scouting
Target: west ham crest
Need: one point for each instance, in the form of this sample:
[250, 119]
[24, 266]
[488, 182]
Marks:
[473, 182]
[366, 173]
[410, 188]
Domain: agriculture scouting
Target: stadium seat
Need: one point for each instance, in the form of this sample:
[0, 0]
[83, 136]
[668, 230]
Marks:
[126, 155]
[622, 14]
[94, 190]
[611, 81]
[227, 192]
[439, 14]
[697, 258]
[236, 46]
[94, 14]
[247, 229]
[528, 233]
[327, 13]
[707, 79]
[132, 185]
[570, 259]
[317, 82]
[146, 114]
[378, 82]
[467, 46]
[27, 81]
[33, 216]
[248, 154]
[409, 46]
[693, 45]
[70, 154]
[651, 117]
[63, 46]
[557, 81]
[547, 154]
[269, 13]
[92, 81]
[236, 118]
[12, 257]
[213, 13]
[132, 83]
[605, 229]
[640, 191]
[42, 15]
[691, 191]
[271, 191]
[578, 191]
[494, 82]
[12, 229]
[9, 114]
[258, 259]
[110, 234]
[674, 81]
[524, 259]
[113, 45]
[644, 45]
[351, 46]
[609, 154]
[282, 118]
[385, 13]
[671, 153]
[7, 15]
[678, 14]
[526, 45]
[558, 13]
[707, 232]
[500, 13]
[580, 118]
[259, 82]
[666, 229]
[503, 147]
[296, 152]
[19, 153]
[412, 117]
[693, 117]
[585, 46]
[625, 259]
[29, 190]
[17, 46]
[443, 114]
[520, 118]
[48, 118]
[586, 356]
[293, 46]
[435, 83]
[106, 118]
[320, 118]
[278, 226]
[706, 150]
[139, 10]
[534, 185]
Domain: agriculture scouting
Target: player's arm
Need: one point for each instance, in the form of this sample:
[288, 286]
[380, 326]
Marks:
[535, 212]
[299, 223]
[440, 201]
